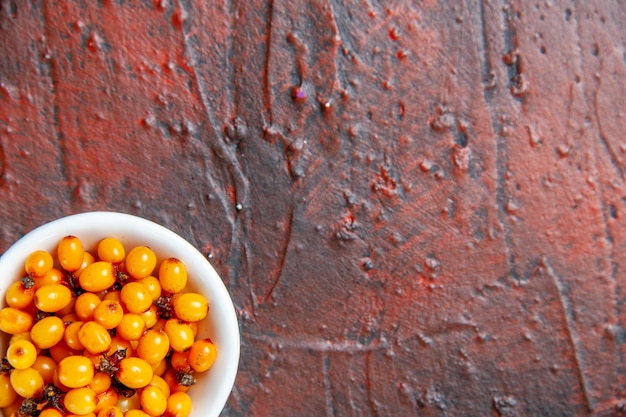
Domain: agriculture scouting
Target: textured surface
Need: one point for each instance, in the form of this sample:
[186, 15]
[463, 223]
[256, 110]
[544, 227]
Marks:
[418, 207]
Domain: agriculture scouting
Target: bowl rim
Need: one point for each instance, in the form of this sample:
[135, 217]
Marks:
[74, 223]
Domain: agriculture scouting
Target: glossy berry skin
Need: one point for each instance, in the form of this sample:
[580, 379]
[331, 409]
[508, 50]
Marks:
[110, 411]
[172, 275]
[202, 355]
[85, 305]
[178, 405]
[80, 401]
[38, 263]
[153, 346]
[153, 400]
[108, 313]
[19, 296]
[46, 366]
[76, 371]
[52, 298]
[180, 334]
[97, 277]
[135, 297]
[153, 286]
[14, 321]
[190, 306]
[26, 382]
[71, 335]
[94, 337]
[134, 372]
[70, 253]
[21, 354]
[131, 327]
[111, 250]
[140, 262]
[47, 332]
[7, 393]
[100, 383]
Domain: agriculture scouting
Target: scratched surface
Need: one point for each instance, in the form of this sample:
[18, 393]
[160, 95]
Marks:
[418, 206]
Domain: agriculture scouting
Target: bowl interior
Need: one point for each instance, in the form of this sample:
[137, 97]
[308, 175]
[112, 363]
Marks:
[210, 393]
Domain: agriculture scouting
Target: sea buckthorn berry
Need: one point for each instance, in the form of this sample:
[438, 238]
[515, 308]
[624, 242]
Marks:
[100, 383]
[150, 316]
[119, 343]
[153, 346]
[178, 405]
[19, 295]
[140, 262]
[190, 306]
[47, 332]
[52, 298]
[135, 297]
[160, 368]
[113, 295]
[97, 276]
[20, 336]
[180, 334]
[46, 366]
[57, 383]
[85, 305]
[173, 275]
[7, 393]
[53, 276]
[108, 313]
[68, 310]
[26, 382]
[179, 361]
[153, 400]
[134, 372]
[70, 253]
[50, 412]
[22, 354]
[13, 321]
[71, 335]
[202, 355]
[131, 327]
[76, 371]
[153, 286]
[94, 337]
[88, 259]
[107, 398]
[110, 411]
[61, 350]
[170, 377]
[159, 382]
[80, 401]
[111, 250]
[38, 263]
[130, 403]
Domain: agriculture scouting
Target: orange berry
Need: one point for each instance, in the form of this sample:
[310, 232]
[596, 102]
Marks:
[111, 250]
[97, 277]
[38, 263]
[140, 262]
[70, 253]
[190, 306]
[94, 337]
[52, 298]
[47, 332]
[13, 321]
[173, 275]
[202, 355]
[134, 372]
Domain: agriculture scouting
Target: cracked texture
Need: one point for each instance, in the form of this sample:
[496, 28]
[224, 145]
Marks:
[418, 207]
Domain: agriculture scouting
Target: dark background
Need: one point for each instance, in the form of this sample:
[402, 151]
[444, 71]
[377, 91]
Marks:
[417, 206]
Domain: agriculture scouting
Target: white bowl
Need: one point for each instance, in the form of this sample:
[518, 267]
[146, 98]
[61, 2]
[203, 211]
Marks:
[210, 393]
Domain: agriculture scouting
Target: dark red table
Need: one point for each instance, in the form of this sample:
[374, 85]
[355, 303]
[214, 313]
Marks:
[418, 207]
